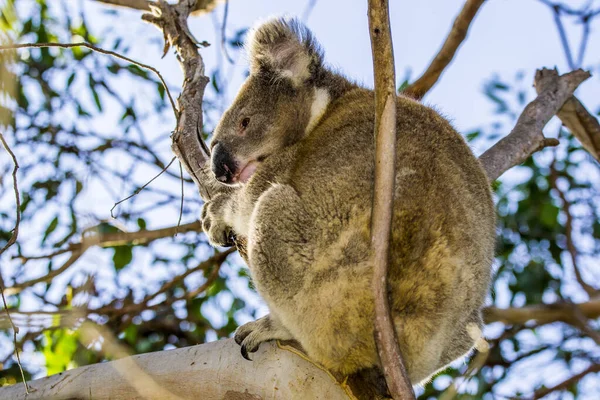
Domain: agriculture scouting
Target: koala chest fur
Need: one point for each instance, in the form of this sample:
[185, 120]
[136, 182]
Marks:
[297, 149]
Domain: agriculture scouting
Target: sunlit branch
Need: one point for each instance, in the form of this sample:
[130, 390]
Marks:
[527, 137]
[457, 35]
[582, 124]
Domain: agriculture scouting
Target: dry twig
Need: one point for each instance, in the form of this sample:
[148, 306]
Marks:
[457, 35]
[98, 50]
[201, 7]
[11, 241]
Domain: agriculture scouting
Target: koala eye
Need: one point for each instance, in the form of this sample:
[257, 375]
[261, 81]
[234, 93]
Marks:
[245, 122]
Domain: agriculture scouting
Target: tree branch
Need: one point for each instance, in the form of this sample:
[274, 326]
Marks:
[98, 50]
[208, 371]
[10, 242]
[538, 394]
[582, 124]
[202, 6]
[383, 197]
[103, 240]
[187, 144]
[457, 35]
[542, 313]
[526, 137]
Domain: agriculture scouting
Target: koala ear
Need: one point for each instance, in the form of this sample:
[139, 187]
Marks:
[286, 49]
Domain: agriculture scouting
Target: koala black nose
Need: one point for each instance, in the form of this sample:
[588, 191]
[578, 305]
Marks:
[223, 164]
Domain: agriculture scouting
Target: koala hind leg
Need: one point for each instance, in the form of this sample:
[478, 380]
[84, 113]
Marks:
[249, 336]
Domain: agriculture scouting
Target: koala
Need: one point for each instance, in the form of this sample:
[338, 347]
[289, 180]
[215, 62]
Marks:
[295, 155]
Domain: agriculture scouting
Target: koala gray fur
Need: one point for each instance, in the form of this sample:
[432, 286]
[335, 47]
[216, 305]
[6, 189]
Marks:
[296, 149]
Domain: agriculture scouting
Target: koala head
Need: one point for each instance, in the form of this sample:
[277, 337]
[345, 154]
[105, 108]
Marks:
[277, 105]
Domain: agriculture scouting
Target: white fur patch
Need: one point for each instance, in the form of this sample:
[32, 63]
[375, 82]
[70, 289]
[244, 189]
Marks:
[235, 218]
[317, 109]
[480, 343]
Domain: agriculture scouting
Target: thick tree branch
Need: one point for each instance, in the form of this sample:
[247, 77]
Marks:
[526, 137]
[202, 6]
[582, 124]
[457, 35]
[209, 371]
[383, 197]
[214, 370]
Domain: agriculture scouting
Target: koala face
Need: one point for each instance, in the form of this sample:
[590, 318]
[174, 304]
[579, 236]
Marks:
[274, 107]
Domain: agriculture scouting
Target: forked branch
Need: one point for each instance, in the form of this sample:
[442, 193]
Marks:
[527, 137]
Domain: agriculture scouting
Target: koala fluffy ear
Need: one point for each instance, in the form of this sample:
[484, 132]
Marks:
[285, 49]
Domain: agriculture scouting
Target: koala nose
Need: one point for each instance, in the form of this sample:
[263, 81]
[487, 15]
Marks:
[223, 164]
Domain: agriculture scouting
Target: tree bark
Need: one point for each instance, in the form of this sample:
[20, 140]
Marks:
[386, 338]
[582, 124]
[209, 371]
[527, 137]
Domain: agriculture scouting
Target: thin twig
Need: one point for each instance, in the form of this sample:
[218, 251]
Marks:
[138, 190]
[102, 51]
[111, 239]
[223, 34]
[386, 339]
[15, 234]
[308, 10]
[571, 248]
[11, 241]
[584, 40]
[457, 35]
[48, 277]
[182, 195]
[538, 394]
[563, 37]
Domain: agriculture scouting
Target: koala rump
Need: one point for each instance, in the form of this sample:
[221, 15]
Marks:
[308, 224]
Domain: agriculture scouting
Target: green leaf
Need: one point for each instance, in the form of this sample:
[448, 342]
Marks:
[122, 257]
[135, 70]
[70, 80]
[161, 90]
[51, 228]
[58, 350]
[549, 214]
[92, 85]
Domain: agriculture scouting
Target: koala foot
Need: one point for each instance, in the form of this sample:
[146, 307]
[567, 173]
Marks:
[219, 233]
[249, 336]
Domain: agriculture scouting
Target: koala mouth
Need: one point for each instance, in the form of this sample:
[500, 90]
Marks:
[245, 172]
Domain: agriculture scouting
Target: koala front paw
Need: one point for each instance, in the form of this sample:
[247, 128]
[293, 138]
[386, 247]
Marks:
[249, 336]
[218, 232]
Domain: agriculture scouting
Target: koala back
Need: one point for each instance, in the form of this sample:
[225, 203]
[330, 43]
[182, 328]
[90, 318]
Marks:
[306, 134]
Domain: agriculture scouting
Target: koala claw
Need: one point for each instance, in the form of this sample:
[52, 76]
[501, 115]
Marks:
[251, 335]
[217, 231]
[244, 351]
